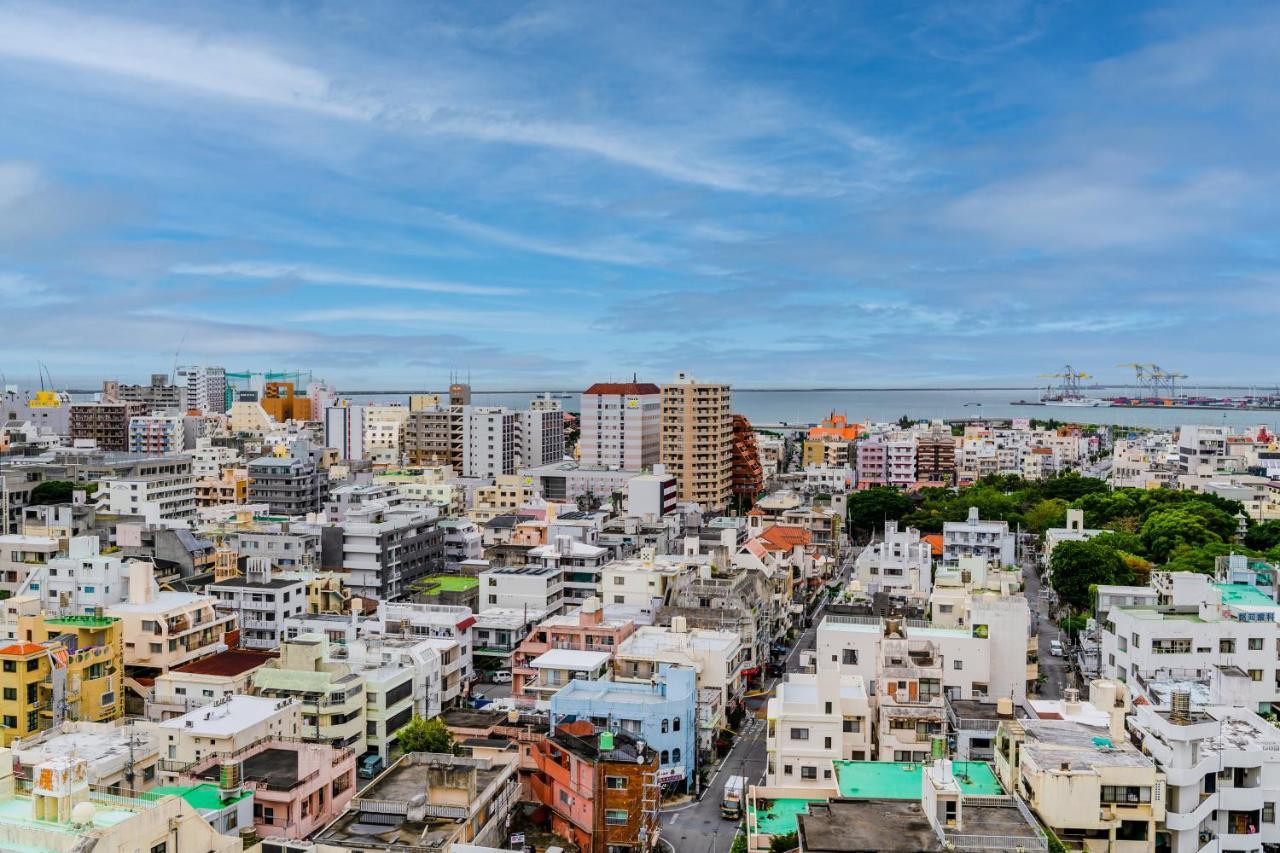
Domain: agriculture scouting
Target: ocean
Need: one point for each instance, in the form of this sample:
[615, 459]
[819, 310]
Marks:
[802, 407]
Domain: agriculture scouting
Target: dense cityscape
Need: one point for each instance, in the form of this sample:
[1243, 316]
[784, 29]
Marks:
[247, 613]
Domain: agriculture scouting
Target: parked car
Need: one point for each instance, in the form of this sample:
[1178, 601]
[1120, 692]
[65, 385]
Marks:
[1055, 648]
[502, 676]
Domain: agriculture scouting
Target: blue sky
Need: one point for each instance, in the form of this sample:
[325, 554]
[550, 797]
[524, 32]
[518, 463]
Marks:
[780, 194]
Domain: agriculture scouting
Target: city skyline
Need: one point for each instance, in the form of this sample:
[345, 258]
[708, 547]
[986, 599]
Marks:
[548, 195]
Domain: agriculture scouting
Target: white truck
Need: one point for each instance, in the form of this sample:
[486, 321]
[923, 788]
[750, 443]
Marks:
[735, 790]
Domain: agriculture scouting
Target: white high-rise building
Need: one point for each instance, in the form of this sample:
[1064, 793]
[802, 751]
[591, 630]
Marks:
[488, 441]
[344, 430]
[206, 388]
[542, 433]
[621, 425]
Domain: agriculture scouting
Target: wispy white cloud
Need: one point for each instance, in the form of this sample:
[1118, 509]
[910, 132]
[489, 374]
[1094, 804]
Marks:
[623, 251]
[323, 277]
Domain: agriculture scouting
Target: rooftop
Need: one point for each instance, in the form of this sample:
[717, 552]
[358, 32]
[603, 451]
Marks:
[81, 621]
[904, 780]
[229, 663]
[242, 583]
[1062, 745]
[570, 659]
[276, 768]
[893, 826]
[228, 716]
[1244, 594]
[778, 817]
[204, 797]
[653, 640]
[449, 583]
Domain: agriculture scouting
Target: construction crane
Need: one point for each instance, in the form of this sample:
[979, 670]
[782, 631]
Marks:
[1070, 380]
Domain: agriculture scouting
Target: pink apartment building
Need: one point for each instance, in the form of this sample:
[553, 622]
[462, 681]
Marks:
[586, 629]
[298, 788]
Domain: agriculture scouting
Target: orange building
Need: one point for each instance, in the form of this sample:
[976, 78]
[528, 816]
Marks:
[836, 427]
[280, 401]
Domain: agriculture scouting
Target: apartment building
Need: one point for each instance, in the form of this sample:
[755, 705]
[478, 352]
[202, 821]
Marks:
[652, 496]
[1082, 778]
[1198, 627]
[489, 439]
[202, 682]
[566, 481]
[206, 388]
[936, 456]
[601, 787]
[697, 440]
[160, 489]
[621, 425]
[900, 462]
[42, 815]
[813, 721]
[449, 629]
[990, 540]
[663, 713]
[1202, 450]
[162, 433]
[541, 433]
[290, 485]
[384, 432]
[384, 550]
[260, 602]
[119, 756]
[156, 396]
[344, 430]
[900, 563]
[580, 563]
[225, 727]
[642, 581]
[717, 656]
[103, 425]
[60, 668]
[1221, 765]
[872, 462]
[329, 697]
[428, 438]
[590, 628]
[20, 555]
[523, 587]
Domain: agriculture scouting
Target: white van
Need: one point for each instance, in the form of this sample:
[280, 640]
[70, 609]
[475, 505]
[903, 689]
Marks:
[502, 676]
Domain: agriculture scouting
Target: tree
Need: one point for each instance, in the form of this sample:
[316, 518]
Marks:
[419, 735]
[1201, 558]
[1078, 566]
[1047, 513]
[1071, 486]
[869, 509]
[1169, 529]
[51, 492]
[1264, 536]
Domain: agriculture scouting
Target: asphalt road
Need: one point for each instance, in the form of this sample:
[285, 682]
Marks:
[697, 827]
[1057, 673]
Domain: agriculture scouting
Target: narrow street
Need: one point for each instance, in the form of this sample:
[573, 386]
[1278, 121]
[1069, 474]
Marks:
[697, 827]
[1057, 673]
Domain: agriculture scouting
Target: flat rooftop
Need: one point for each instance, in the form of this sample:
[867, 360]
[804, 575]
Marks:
[904, 780]
[242, 583]
[889, 826]
[1244, 594]
[778, 817]
[277, 768]
[448, 583]
[1051, 744]
[570, 659]
[227, 717]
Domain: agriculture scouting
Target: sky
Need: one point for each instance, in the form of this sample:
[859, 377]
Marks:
[771, 194]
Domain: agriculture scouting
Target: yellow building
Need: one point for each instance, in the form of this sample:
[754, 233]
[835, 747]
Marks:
[697, 440]
[828, 453]
[508, 493]
[60, 668]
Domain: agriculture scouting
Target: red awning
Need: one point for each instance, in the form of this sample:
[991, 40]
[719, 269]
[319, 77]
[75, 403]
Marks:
[751, 670]
[466, 623]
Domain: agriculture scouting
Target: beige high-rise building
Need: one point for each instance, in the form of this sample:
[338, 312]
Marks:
[697, 440]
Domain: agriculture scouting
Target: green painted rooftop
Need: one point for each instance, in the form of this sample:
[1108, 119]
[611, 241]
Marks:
[206, 797]
[1246, 594]
[451, 583]
[904, 780]
[83, 621]
[780, 817]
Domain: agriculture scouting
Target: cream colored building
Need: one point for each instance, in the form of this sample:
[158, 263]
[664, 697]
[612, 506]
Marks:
[508, 493]
[697, 440]
[59, 812]
[384, 432]
[228, 725]
[332, 696]
[813, 721]
[1082, 777]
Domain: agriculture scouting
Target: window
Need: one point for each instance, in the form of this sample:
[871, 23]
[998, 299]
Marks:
[852, 725]
[616, 783]
[675, 756]
[10, 666]
[826, 708]
[162, 847]
[1255, 675]
[615, 817]
[1255, 644]
[786, 770]
[808, 772]
[11, 694]
[33, 664]
[10, 722]
[675, 724]
[666, 757]
[799, 734]
[564, 797]
[849, 657]
[666, 724]
[1125, 794]
[1226, 647]
[957, 664]
[826, 743]
[1268, 812]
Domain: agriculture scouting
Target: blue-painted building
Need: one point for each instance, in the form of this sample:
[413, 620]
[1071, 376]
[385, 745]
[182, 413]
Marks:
[662, 712]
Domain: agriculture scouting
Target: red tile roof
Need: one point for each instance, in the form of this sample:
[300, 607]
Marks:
[779, 538]
[22, 649]
[623, 388]
[230, 662]
[935, 543]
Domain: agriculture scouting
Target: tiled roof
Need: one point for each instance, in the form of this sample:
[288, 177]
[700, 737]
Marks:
[781, 538]
[623, 388]
[231, 662]
[935, 543]
[22, 649]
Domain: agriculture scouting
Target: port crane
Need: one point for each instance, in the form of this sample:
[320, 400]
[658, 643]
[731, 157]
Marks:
[1070, 380]
[1154, 380]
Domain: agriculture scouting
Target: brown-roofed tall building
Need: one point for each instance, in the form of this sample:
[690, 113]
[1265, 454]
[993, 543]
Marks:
[621, 425]
[697, 440]
[748, 475]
